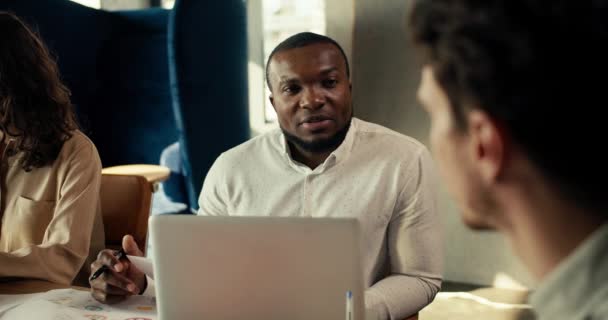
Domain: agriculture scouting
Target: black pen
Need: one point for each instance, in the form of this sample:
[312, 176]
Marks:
[118, 254]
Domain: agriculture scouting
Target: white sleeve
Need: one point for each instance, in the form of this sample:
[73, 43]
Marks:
[415, 244]
[213, 198]
[150, 288]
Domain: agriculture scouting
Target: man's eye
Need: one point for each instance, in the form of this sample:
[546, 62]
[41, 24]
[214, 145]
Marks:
[291, 89]
[330, 83]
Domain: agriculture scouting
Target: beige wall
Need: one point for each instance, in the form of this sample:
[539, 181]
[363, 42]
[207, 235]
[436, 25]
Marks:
[339, 24]
[385, 78]
[385, 75]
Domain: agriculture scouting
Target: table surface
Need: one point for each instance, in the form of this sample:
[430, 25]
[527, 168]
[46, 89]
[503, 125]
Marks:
[35, 286]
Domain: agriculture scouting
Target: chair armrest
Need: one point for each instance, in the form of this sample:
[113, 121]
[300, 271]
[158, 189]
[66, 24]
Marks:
[152, 173]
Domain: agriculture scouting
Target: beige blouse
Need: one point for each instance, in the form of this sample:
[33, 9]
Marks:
[51, 216]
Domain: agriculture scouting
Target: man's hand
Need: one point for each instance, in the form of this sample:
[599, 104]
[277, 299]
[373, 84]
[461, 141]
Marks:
[122, 279]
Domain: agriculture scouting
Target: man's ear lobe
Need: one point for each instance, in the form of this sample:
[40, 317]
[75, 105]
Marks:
[271, 99]
[488, 145]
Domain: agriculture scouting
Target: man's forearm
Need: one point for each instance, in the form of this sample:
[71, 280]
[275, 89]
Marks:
[400, 296]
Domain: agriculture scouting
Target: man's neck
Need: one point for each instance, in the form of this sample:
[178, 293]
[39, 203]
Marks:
[543, 227]
[310, 159]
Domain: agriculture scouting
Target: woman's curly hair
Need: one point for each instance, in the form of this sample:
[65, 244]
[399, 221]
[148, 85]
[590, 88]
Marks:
[35, 106]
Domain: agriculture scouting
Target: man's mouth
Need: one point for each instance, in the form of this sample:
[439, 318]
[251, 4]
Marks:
[315, 119]
[316, 123]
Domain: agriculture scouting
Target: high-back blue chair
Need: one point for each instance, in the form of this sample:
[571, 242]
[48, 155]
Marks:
[143, 79]
[208, 68]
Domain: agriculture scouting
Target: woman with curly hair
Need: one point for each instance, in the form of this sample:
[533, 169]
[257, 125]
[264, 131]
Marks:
[50, 172]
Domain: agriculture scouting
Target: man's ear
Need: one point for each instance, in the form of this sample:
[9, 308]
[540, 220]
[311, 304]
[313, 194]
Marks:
[488, 145]
[271, 99]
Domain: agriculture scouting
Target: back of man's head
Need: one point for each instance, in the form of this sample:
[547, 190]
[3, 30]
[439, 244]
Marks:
[300, 40]
[537, 67]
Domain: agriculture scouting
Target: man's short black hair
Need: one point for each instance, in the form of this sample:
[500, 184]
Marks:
[538, 68]
[300, 40]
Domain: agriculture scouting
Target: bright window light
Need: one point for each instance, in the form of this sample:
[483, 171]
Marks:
[89, 3]
[283, 18]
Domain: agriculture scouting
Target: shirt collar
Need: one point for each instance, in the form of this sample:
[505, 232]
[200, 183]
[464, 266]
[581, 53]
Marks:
[340, 154]
[568, 289]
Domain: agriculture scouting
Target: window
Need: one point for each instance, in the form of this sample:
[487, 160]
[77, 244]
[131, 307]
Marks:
[125, 4]
[281, 19]
[89, 3]
[168, 4]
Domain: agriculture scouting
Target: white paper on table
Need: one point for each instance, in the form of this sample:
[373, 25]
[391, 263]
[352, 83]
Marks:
[9, 301]
[143, 264]
[68, 304]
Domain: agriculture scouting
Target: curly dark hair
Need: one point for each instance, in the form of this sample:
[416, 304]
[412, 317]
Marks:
[535, 66]
[35, 106]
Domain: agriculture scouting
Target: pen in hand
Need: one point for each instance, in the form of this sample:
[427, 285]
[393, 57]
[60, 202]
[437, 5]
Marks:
[118, 254]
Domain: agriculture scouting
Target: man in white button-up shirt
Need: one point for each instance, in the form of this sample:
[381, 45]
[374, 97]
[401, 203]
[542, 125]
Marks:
[325, 163]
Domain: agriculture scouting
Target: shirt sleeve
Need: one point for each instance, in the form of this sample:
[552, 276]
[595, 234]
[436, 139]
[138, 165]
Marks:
[66, 241]
[415, 248]
[213, 198]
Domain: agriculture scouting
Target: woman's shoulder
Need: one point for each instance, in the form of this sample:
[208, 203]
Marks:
[79, 146]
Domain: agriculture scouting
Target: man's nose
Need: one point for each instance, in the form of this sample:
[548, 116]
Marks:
[312, 99]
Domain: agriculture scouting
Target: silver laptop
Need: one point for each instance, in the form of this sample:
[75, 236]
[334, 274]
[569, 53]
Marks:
[250, 268]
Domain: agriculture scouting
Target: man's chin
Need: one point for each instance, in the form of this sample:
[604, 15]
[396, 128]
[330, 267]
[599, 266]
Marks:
[317, 142]
[317, 138]
[476, 222]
